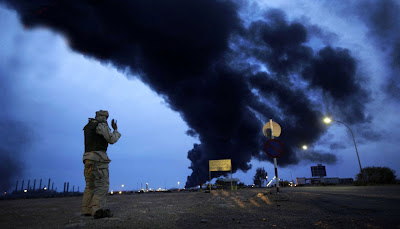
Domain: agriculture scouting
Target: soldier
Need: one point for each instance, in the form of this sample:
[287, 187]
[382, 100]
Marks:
[97, 137]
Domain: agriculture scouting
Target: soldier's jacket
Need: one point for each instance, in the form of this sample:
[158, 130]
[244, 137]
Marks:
[97, 137]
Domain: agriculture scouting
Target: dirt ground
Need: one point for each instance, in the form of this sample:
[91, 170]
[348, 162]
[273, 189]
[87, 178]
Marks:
[299, 207]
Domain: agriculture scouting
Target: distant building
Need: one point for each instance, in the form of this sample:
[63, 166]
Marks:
[325, 180]
[226, 183]
[318, 172]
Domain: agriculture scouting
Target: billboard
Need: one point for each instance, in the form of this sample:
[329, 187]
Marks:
[318, 171]
[220, 165]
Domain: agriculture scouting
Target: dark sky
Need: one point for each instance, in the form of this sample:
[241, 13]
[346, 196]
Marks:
[218, 70]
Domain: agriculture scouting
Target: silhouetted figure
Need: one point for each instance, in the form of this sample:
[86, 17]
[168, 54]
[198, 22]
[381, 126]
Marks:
[97, 137]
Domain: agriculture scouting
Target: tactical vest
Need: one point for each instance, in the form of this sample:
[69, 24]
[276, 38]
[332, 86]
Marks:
[94, 141]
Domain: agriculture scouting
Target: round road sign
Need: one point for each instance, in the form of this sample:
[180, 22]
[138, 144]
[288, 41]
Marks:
[273, 148]
[276, 129]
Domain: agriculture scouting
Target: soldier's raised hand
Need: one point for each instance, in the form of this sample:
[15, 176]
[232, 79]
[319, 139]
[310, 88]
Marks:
[114, 124]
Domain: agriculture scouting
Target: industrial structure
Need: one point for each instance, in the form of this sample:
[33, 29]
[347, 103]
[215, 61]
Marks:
[29, 190]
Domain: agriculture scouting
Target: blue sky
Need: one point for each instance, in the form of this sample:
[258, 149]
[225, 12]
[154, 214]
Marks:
[55, 90]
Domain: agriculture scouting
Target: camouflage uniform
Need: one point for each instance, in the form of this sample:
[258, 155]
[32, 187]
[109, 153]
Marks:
[97, 137]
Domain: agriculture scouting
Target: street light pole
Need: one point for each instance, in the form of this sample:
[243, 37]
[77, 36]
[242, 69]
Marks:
[328, 120]
[354, 140]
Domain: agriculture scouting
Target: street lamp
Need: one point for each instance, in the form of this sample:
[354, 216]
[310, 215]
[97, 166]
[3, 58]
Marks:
[305, 147]
[328, 120]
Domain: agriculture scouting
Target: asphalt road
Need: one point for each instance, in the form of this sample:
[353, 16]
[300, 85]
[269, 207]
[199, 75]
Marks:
[378, 205]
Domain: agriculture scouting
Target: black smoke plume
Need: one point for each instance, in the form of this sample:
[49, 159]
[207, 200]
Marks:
[224, 79]
[383, 21]
[336, 145]
[15, 138]
[15, 135]
[313, 156]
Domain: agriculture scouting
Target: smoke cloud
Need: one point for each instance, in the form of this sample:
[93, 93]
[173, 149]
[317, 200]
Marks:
[336, 145]
[313, 156]
[14, 141]
[382, 19]
[225, 79]
[15, 135]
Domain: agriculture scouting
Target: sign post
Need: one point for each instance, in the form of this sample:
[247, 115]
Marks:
[220, 165]
[275, 160]
[270, 148]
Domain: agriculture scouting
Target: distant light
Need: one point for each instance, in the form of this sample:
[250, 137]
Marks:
[5, 193]
[305, 147]
[122, 185]
[327, 120]
[45, 188]
[25, 190]
[120, 192]
[112, 192]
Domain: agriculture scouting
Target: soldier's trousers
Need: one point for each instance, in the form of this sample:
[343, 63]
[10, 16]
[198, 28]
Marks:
[97, 183]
